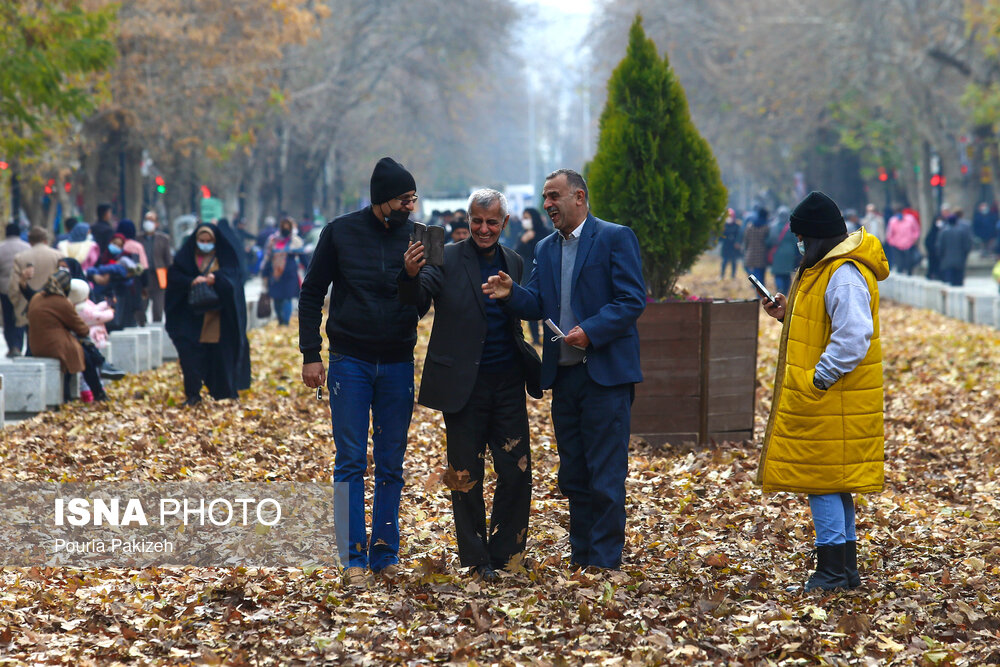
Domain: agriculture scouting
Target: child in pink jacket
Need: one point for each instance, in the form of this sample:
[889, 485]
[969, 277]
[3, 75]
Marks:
[94, 315]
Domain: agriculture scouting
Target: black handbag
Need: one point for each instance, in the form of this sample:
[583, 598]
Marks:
[203, 298]
[264, 306]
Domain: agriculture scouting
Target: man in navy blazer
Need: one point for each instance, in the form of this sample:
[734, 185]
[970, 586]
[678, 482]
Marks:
[588, 280]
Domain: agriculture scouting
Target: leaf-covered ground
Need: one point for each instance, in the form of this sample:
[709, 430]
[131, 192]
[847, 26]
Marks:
[707, 559]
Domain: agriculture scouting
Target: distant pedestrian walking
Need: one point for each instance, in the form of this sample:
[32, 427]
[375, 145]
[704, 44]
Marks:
[954, 242]
[282, 257]
[755, 245]
[731, 249]
[210, 344]
[902, 235]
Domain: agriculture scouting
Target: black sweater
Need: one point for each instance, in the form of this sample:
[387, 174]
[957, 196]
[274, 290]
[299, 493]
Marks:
[361, 258]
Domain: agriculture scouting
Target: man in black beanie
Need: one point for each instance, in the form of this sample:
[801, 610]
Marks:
[371, 335]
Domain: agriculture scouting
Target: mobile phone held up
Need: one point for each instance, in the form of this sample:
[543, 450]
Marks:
[760, 287]
[433, 239]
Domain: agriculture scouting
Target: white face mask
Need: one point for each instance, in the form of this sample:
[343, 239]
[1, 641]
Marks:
[801, 245]
[148, 226]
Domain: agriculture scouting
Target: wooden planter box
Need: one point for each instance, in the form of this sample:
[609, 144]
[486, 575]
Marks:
[699, 363]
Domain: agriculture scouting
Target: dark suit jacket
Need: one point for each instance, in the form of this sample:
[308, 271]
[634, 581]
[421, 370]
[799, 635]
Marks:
[456, 344]
[608, 297]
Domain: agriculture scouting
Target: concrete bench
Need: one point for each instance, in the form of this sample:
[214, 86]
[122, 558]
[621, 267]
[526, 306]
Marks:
[983, 309]
[168, 351]
[956, 303]
[53, 379]
[123, 351]
[156, 336]
[24, 386]
[144, 343]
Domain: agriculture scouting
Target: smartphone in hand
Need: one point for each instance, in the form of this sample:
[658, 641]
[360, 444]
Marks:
[760, 287]
[433, 239]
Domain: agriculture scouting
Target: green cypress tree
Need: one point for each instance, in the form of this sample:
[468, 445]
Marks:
[653, 171]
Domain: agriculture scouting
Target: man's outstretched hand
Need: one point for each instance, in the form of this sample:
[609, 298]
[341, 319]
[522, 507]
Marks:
[498, 286]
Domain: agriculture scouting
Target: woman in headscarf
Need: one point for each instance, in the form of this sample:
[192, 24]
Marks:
[56, 330]
[79, 246]
[211, 346]
[281, 268]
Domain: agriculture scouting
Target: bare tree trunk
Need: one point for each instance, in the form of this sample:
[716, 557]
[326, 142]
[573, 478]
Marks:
[252, 210]
[133, 184]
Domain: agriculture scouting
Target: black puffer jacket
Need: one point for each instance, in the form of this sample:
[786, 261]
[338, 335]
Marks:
[361, 258]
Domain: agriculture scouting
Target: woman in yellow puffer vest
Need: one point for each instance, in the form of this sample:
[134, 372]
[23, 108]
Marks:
[825, 432]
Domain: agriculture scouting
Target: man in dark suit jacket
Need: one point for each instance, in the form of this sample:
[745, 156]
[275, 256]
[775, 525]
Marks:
[475, 373]
[587, 280]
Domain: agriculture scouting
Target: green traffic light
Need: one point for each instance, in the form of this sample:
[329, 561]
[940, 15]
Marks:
[161, 189]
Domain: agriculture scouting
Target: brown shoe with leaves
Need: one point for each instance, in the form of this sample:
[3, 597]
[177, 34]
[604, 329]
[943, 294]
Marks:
[356, 577]
[389, 571]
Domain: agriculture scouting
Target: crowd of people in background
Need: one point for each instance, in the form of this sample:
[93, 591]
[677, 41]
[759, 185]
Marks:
[61, 297]
[761, 242]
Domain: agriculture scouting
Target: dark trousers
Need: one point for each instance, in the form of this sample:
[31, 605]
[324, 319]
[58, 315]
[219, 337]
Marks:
[496, 416]
[157, 296]
[205, 363]
[592, 424]
[954, 277]
[14, 335]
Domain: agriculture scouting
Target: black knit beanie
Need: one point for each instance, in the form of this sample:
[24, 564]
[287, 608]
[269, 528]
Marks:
[390, 179]
[817, 217]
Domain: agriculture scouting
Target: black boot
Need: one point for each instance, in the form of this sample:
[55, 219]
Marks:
[830, 573]
[851, 564]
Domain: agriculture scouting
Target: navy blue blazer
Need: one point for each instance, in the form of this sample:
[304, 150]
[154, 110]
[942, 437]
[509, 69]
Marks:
[608, 297]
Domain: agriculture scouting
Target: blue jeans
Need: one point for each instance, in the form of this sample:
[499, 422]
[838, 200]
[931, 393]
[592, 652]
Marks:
[384, 391]
[283, 309]
[833, 517]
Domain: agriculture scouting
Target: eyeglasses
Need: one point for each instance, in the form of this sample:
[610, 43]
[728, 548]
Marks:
[407, 200]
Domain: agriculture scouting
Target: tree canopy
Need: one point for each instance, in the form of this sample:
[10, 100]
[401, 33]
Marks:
[653, 171]
[48, 51]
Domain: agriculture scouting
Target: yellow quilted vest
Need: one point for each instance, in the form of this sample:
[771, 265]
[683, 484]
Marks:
[826, 441]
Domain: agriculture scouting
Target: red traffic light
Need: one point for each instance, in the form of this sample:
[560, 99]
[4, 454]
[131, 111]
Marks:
[67, 187]
[882, 176]
[159, 180]
[964, 169]
[936, 181]
[3, 165]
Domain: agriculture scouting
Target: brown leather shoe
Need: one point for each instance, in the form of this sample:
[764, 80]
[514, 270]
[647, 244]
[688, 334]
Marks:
[389, 571]
[356, 577]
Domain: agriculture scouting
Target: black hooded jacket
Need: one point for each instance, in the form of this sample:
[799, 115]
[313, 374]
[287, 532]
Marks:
[361, 257]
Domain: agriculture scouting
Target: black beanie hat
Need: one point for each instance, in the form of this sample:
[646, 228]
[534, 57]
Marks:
[817, 217]
[390, 179]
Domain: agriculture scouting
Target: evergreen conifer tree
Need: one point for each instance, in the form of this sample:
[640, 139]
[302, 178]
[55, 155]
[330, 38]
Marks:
[652, 170]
